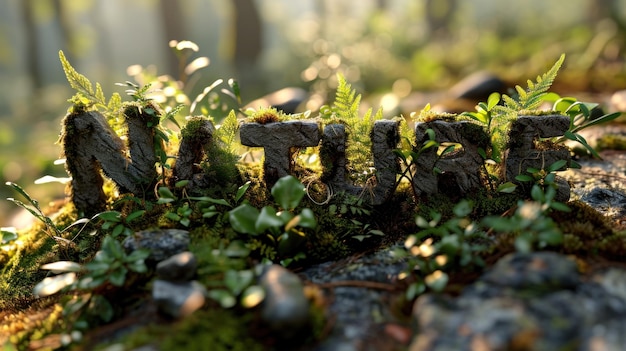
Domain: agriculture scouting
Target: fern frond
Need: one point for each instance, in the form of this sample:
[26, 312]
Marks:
[531, 99]
[227, 132]
[347, 102]
[115, 103]
[81, 84]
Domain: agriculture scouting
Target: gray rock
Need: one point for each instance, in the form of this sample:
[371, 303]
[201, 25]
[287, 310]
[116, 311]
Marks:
[285, 308]
[542, 270]
[608, 201]
[477, 86]
[357, 309]
[618, 101]
[180, 267]
[178, 299]
[286, 100]
[533, 301]
[162, 243]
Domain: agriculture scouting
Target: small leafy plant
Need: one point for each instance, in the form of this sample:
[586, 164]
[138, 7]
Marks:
[440, 247]
[281, 228]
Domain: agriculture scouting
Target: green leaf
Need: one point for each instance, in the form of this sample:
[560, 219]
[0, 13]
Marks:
[236, 281]
[211, 200]
[463, 208]
[223, 297]
[119, 229]
[507, 187]
[524, 178]
[134, 215]
[537, 194]
[118, 276]
[243, 219]
[415, 290]
[241, 191]
[97, 267]
[288, 191]
[493, 100]
[102, 308]
[268, 219]
[556, 166]
[523, 244]
[172, 216]
[307, 218]
[112, 247]
[8, 234]
[139, 254]
[166, 193]
[110, 216]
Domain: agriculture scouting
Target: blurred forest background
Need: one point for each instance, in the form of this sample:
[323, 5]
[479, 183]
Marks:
[391, 48]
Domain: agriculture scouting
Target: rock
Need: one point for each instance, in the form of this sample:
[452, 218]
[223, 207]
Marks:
[357, 310]
[180, 267]
[178, 299]
[162, 243]
[539, 270]
[285, 308]
[533, 301]
[477, 86]
[286, 100]
[610, 202]
[618, 101]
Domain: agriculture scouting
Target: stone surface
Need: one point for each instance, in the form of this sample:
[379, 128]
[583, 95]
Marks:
[385, 137]
[162, 243]
[618, 101]
[357, 308]
[285, 308]
[523, 153]
[462, 168]
[531, 301]
[191, 153]
[178, 299]
[278, 140]
[90, 144]
[180, 267]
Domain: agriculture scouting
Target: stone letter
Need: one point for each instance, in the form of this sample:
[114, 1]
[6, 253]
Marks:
[278, 140]
[522, 151]
[89, 145]
[384, 138]
[196, 136]
[461, 167]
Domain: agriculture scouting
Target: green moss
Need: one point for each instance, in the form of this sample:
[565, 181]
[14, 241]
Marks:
[266, 115]
[208, 329]
[611, 142]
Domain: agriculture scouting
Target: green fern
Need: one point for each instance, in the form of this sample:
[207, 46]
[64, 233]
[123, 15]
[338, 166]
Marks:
[345, 109]
[531, 97]
[87, 96]
[526, 99]
[346, 105]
